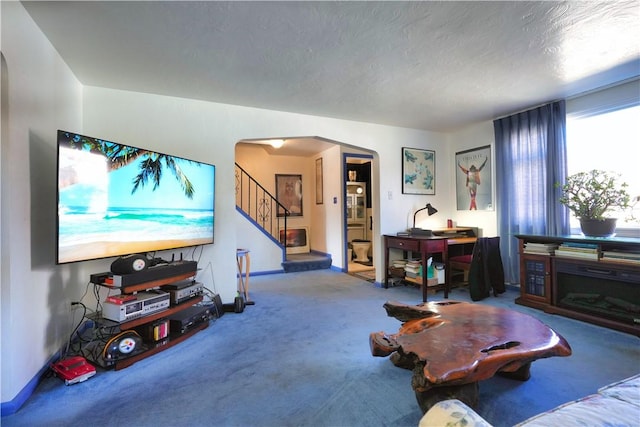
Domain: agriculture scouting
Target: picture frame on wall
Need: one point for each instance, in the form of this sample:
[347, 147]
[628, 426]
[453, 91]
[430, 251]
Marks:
[319, 183]
[474, 186]
[418, 171]
[296, 240]
[289, 194]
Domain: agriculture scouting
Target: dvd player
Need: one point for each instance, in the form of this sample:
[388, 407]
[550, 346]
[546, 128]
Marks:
[189, 318]
[183, 290]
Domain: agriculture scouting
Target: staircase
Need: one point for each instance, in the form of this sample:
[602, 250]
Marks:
[260, 207]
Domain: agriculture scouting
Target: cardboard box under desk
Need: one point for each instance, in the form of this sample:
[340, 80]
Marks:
[418, 280]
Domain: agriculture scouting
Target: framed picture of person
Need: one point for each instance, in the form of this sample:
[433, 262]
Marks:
[289, 194]
[418, 171]
[474, 186]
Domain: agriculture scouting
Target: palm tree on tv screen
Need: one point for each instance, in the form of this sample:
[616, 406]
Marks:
[151, 168]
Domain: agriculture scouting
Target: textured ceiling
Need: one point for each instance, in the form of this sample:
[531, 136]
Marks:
[425, 65]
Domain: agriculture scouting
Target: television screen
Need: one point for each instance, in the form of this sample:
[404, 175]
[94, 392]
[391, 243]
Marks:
[116, 199]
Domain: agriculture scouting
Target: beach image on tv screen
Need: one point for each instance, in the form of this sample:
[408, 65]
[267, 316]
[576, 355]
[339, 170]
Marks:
[115, 199]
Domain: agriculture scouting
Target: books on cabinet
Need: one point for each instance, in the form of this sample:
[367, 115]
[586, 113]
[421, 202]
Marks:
[578, 250]
[540, 248]
[623, 256]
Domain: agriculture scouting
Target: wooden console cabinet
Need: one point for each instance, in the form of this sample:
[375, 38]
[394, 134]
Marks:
[151, 347]
[596, 280]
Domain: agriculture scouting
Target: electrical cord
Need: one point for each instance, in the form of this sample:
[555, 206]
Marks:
[86, 290]
[209, 267]
[96, 294]
[75, 330]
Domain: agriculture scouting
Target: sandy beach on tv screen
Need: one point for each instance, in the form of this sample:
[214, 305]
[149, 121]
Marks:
[113, 249]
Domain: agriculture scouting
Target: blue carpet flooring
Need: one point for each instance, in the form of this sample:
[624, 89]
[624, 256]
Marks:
[300, 357]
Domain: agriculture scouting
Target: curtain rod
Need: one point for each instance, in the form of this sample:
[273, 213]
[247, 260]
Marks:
[578, 95]
[528, 109]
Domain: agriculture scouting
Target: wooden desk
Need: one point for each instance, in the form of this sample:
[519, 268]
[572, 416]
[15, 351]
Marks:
[439, 243]
[427, 246]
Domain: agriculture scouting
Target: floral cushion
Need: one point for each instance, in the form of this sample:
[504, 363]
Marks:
[452, 412]
[627, 390]
[594, 410]
[616, 404]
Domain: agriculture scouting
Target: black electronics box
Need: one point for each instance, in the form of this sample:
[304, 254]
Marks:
[189, 318]
[159, 272]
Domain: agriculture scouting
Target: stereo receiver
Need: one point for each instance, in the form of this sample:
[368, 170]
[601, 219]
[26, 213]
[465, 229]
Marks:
[183, 290]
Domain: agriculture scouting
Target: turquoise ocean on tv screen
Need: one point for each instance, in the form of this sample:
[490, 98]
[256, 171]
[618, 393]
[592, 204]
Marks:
[99, 205]
[78, 226]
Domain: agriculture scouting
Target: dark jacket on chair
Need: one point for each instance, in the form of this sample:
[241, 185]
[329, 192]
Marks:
[486, 271]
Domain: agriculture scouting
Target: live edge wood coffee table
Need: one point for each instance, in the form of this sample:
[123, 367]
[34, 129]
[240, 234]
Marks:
[451, 345]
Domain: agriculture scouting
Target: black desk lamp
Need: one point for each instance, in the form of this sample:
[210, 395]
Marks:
[419, 231]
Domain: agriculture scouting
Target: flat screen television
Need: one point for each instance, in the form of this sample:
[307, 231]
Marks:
[116, 199]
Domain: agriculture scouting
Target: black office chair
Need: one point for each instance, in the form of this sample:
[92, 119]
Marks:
[460, 263]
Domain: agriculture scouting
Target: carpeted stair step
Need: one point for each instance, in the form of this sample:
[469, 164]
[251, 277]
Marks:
[306, 264]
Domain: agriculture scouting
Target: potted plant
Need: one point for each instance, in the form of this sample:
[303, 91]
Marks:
[592, 195]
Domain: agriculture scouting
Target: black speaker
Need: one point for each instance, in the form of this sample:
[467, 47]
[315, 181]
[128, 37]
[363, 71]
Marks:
[129, 264]
[238, 303]
[236, 307]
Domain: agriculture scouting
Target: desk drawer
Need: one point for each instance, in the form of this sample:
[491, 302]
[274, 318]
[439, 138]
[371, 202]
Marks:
[437, 245]
[404, 244]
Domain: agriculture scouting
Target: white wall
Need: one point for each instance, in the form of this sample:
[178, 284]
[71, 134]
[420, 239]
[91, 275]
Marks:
[475, 136]
[326, 228]
[324, 221]
[265, 255]
[39, 95]
[328, 233]
[42, 96]
[209, 132]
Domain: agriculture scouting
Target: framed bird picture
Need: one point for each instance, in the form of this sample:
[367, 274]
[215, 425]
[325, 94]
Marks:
[418, 171]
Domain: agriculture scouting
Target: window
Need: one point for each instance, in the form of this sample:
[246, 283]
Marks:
[608, 141]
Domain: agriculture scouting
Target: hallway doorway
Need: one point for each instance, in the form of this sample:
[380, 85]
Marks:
[324, 217]
[358, 215]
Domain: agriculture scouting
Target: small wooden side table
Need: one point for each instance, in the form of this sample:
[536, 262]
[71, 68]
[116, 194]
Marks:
[244, 269]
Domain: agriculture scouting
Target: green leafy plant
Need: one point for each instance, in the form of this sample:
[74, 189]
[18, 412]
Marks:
[592, 194]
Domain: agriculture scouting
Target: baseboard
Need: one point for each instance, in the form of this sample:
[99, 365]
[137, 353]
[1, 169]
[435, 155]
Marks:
[266, 272]
[14, 405]
[512, 286]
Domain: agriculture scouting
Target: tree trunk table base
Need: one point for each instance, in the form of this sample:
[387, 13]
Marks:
[466, 393]
[450, 346]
